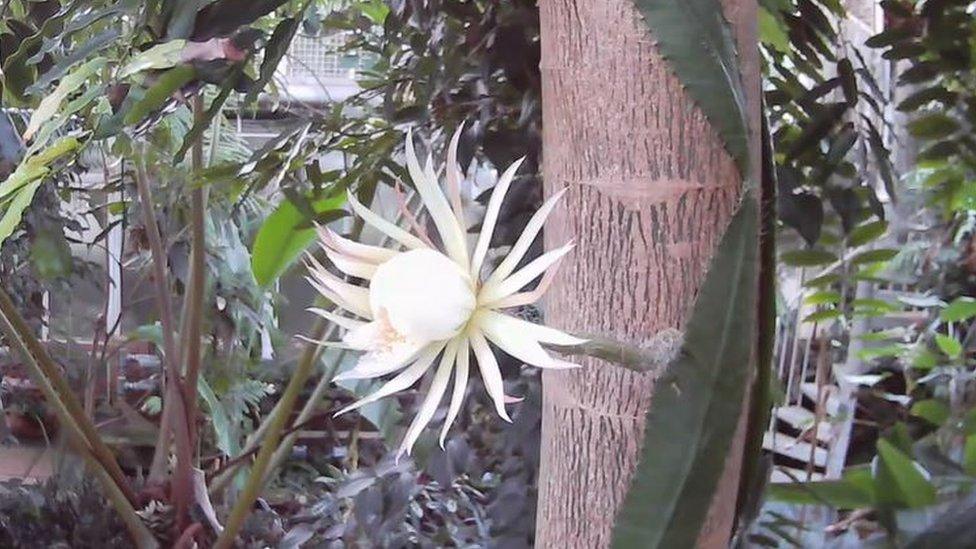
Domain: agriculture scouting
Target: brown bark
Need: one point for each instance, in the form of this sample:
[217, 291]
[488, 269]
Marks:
[651, 190]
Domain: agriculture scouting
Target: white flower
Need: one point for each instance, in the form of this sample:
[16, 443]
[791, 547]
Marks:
[422, 302]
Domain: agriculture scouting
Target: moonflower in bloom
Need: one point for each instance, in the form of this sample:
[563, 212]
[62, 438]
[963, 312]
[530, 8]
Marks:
[427, 308]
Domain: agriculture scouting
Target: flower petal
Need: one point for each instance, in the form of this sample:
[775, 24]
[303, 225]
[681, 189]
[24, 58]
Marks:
[345, 246]
[454, 175]
[354, 299]
[437, 206]
[402, 381]
[339, 320]
[460, 385]
[526, 239]
[491, 217]
[490, 373]
[433, 399]
[495, 291]
[521, 339]
[389, 229]
[350, 265]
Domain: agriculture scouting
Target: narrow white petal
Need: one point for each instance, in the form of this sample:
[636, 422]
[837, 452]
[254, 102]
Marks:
[345, 246]
[350, 265]
[491, 375]
[339, 320]
[460, 386]
[367, 336]
[380, 363]
[526, 239]
[454, 176]
[531, 296]
[433, 399]
[440, 212]
[494, 291]
[518, 341]
[491, 217]
[389, 229]
[402, 381]
[542, 334]
[324, 343]
[352, 298]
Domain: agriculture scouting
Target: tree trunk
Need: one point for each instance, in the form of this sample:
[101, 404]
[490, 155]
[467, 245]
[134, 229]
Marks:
[651, 190]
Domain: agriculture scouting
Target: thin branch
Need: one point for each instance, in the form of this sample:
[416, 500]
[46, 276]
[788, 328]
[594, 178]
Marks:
[654, 356]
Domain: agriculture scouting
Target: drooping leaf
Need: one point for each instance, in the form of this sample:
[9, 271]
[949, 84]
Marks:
[899, 480]
[159, 93]
[223, 430]
[224, 17]
[14, 211]
[282, 238]
[807, 258]
[933, 126]
[273, 53]
[698, 42]
[160, 56]
[961, 308]
[69, 84]
[692, 417]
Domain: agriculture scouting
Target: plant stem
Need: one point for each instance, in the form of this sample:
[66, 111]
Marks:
[81, 432]
[278, 422]
[47, 373]
[193, 329]
[654, 357]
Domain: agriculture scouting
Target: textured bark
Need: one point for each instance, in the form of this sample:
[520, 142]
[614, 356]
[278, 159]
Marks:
[651, 190]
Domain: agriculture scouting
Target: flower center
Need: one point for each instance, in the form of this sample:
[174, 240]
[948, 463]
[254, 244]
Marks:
[425, 295]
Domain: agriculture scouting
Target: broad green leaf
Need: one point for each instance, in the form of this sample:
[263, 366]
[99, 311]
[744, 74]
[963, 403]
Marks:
[874, 256]
[51, 103]
[282, 238]
[159, 93]
[822, 280]
[17, 191]
[160, 56]
[923, 359]
[870, 353]
[698, 42]
[862, 234]
[807, 258]
[693, 415]
[899, 480]
[948, 345]
[931, 410]
[961, 308]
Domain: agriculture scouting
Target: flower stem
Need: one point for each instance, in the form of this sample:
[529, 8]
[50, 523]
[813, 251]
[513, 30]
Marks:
[655, 356]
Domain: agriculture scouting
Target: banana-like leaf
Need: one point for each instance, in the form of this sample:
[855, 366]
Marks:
[695, 38]
[697, 404]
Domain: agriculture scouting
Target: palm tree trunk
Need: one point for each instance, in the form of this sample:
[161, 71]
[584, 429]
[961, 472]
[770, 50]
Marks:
[651, 189]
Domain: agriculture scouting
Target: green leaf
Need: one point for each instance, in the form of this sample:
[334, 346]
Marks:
[160, 56]
[867, 232]
[961, 308]
[822, 298]
[282, 238]
[840, 494]
[870, 353]
[698, 42]
[51, 103]
[696, 407]
[899, 479]
[823, 316]
[931, 410]
[969, 455]
[874, 256]
[274, 52]
[15, 210]
[822, 280]
[807, 258]
[200, 126]
[50, 255]
[223, 430]
[948, 345]
[933, 126]
[159, 93]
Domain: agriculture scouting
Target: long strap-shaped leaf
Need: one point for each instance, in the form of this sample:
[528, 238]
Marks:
[697, 405]
[695, 38]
